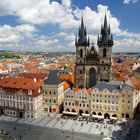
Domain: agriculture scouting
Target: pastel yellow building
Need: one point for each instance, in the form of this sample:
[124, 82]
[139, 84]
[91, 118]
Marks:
[112, 99]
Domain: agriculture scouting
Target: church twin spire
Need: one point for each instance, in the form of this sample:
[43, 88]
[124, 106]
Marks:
[104, 37]
[82, 39]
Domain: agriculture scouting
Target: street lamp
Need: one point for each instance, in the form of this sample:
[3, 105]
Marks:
[72, 131]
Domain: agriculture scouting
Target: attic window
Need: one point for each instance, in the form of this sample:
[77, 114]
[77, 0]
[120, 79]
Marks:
[15, 82]
[25, 83]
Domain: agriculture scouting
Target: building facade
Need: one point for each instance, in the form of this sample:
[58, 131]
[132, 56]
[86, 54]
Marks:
[21, 97]
[92, 66]
[105, 99]
[53, 93]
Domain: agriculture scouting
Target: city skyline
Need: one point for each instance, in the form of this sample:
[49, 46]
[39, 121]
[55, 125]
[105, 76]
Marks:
[52, 25]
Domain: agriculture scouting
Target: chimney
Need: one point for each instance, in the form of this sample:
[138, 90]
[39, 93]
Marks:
[34, 79]
[121, 85]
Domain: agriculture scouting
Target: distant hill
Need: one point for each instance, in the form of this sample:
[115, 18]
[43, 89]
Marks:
[8, 56]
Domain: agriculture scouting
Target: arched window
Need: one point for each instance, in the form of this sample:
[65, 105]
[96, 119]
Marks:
[104, 52]
[127, 116]
[67, 110]
[100, 114]
[81, 53]
[73, 110]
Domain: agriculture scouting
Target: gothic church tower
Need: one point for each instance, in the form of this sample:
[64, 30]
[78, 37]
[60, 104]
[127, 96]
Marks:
[91, 66]
[82, 45]
[105, 43]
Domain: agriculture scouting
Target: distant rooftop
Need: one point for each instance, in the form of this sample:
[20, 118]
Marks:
[112, 86]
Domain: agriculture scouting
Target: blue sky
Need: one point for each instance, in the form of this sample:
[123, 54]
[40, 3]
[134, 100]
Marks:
[51, 25]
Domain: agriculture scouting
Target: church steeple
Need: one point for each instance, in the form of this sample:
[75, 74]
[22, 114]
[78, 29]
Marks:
[82, 38]
[106, 36]
[105, 23]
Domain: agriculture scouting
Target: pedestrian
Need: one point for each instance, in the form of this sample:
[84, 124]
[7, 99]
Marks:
[29, 128]
[20, 136]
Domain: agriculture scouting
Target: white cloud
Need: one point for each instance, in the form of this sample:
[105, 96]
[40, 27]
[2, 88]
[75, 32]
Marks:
[44, 12]
[129, 1]
[15, 34]
[66, 3]
[127, 45]
[33, 12]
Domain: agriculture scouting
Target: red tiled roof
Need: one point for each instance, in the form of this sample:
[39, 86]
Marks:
[76, 89]
[33, 75]
[19, 83]
[88, 90]
[66, 85]
[69, 77]
[2, 68]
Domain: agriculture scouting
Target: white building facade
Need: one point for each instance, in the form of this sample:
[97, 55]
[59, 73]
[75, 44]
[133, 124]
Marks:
[21, 100]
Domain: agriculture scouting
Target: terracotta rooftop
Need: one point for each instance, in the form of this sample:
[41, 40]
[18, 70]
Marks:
[19, 83]
[76, 89]
[66, 85]
[33, 75]
[2, 68]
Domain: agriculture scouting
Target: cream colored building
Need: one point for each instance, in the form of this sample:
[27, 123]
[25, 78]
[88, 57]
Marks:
[105, 99]
[77, 101]
[53, 93]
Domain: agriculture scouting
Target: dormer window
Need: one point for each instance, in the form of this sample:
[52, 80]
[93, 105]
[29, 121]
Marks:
[29, 92]
[39, 90]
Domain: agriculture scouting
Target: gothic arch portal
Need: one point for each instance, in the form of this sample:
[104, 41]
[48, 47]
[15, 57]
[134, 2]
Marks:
[92, 77]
